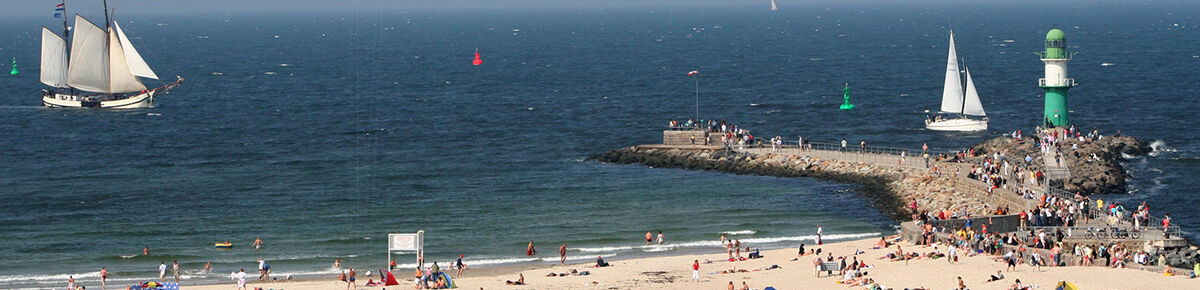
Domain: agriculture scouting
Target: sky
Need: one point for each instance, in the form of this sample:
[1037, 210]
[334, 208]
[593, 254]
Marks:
[35, 7]
[224, 7]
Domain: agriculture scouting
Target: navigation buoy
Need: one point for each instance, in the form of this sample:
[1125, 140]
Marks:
[846, 95]
[14, 68]
[477, 60]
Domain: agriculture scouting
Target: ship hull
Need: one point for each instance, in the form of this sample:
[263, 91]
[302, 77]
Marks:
[57, 100]
[958, 125]
[143, 99]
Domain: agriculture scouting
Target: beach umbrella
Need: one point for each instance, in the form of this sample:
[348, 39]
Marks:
[1064, 285]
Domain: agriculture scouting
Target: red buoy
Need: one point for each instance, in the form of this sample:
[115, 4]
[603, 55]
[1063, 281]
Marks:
[477, 60]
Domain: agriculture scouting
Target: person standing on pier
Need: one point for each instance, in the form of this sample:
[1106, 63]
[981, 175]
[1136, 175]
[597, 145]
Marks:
[862, 146]
[843, 144]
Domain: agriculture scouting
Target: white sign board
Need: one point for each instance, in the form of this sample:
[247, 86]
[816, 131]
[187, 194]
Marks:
[406, 242]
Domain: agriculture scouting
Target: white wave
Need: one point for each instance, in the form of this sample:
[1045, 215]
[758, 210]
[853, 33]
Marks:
[1158, 147]
[743, 232]
[128, 256]
[717, 243]
[52, 277]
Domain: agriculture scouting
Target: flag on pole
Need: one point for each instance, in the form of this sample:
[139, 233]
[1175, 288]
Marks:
[58, 9]
[692, 73]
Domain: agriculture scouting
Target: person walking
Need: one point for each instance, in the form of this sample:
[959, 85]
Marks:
[696, 270]
[819, 235]
[462, 266]
[241, 279]
[103, 277]
[162, 270]
[660, 237]
[562, 254]
[175, 270]
[649, 238]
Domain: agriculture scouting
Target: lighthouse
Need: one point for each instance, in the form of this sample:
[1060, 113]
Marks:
[1056, 83]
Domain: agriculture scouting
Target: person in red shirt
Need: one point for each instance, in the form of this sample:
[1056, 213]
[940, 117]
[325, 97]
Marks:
[696, 270]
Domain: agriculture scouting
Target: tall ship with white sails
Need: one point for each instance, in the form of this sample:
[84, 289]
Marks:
[958, 103]
[101, 70]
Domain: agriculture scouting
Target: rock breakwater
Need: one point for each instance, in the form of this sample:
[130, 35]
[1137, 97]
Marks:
[888, 188]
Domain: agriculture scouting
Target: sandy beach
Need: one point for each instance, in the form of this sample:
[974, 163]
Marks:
[674, 272]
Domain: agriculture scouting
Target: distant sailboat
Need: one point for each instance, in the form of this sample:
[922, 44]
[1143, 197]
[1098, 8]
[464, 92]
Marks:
[101, 70]
[957, 102]
[773, 6]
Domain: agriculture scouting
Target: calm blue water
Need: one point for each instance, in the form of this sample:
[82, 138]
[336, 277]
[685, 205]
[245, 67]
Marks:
[379, 124]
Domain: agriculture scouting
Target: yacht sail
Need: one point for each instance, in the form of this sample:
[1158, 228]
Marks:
[971, 104]
[952, 93]
[54, 59]
[98, 63]
[773, 7]
[137, 65]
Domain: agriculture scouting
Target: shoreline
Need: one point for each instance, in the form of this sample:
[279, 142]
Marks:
[673, 272]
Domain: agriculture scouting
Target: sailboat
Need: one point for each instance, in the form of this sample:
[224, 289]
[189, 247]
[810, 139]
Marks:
[957, 104]
[773, 7]
[101, 70]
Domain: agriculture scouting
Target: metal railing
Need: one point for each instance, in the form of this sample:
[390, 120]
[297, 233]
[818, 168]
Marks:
[1105, 232]
[872, 154]
[1066, 82]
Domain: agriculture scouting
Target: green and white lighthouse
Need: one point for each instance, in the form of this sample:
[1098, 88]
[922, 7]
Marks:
[1056, 83]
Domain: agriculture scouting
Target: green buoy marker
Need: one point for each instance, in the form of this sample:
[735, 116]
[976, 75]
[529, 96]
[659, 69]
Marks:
[846, 95]
[14, 66]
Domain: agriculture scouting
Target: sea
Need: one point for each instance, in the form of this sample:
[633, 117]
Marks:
[323, 132]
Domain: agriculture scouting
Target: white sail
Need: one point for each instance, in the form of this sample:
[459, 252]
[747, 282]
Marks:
[88, 68]
[952, 93]
[54, 59]
[971, 104]
[773, 7]
[97, 61]
[137, 65]
[121, 79]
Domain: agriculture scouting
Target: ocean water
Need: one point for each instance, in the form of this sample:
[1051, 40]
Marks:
[323, 132]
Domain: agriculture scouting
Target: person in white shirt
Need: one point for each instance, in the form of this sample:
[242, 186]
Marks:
[162, 270]
[241, 279]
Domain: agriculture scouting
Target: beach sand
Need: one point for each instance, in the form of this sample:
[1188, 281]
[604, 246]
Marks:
[674, 272]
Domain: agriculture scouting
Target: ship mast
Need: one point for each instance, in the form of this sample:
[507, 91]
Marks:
[66, 29]
[107, 21]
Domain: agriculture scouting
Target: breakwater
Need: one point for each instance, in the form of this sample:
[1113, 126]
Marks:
[888, 187]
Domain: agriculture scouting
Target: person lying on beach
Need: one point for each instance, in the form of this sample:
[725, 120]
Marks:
[881, 244]
[520, 280]
[1018, 286]
[996, 277]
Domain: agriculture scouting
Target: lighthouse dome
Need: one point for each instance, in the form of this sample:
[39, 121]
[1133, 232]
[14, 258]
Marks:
[1055, 34]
